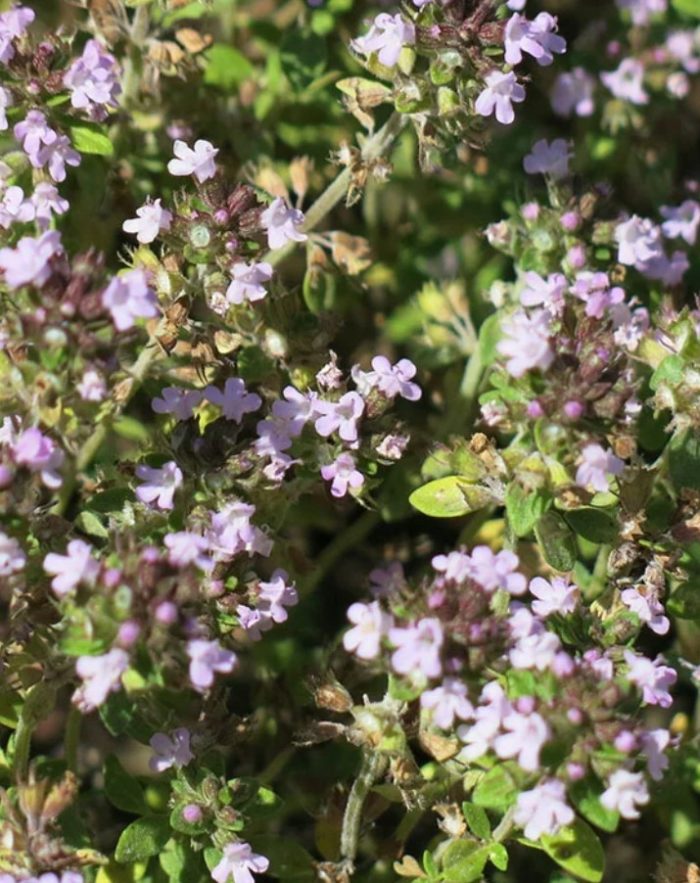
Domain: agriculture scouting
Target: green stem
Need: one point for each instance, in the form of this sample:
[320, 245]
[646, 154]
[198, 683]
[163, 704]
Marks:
[374, 147]
[373, 765]
[71, 740]
[38, 703]
[349, 539]
[505, 826]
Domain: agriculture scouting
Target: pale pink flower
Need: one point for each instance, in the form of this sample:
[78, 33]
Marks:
[387, 36]
[543, 810]
[234, 400]
[92, 386]
[555, 596]
[526, 342]
[652, 677]
[29, 262]
[248, 283]
[537, 38]
[573, 93]
[682, 221]
[151, 219]
[128, 297]
[526, 735]
[276, 595]
[177, 401]
[170, 750]
[627, 82]
[496, 570]
[343, 475]
[282, 223]
[198, 161]
[370, 625]
[549, 158]
[68, 571]
[547, 293]
[648, 608]
[447, 702]
[12, 557]
[625, 793]
[418, 648]
[654, 744]
[596, 465]
[500, 91]
[206, 659]
[159, 485]
[340, 416]
[239, 863]
[101, 675]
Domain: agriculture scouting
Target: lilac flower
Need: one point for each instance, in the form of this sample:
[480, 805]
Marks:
[627, 82]
[232, 533]
[516, 5]
[198, 161]
[547, 158]
[128, 297]
[151, 219]
[548, 293]
[419, 648]
[343, 474]
[39, 454]
[478, 738]
[93, 81]
[648, 608]
[447, 702]
[573, 93]
[170, 750]
[57, 156]
[555, 596]
[12, 557]
[340, 416]
[387, 36]
[498, 96]
[159, 485]
[101, 675]
[177, 401]
[543, 810]
[596, 465]
[681, 46]
[371, 624]
[13, 23]
[496, 570]
[638, 241]
[29, 263]
[68, 571]
[527, 734]
[392, 380]
[654, 743]
[537, 38]
[682, 221]
[276, 595]
[295, 409]
[35, 134]
[282, 223]
[626, 792]
[652, 677]
[253, 622]
[248, 283]
[234, 400]
[526, 343]
[46, 202]
[185, 548]
[239, 863]
[455, 567]
[14, 208]
[92, 386]
[535, 649]
[595, 291]
[207, 658]
[392, 446]
[642, 10]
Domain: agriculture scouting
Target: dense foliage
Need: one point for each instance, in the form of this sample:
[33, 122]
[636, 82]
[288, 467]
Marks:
[349, 441]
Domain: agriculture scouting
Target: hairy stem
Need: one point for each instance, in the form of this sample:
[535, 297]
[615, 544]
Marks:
[373, 765]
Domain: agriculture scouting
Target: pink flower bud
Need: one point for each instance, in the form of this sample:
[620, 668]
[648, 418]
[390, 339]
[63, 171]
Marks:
[570, 221]
[535, 409]
[625, 741]
[166, 613]
[575, 771]
[192, 813]
[6, 476]
[112, 578]
[575, 716]
[573, 409]
[128, 633]
[530, 211]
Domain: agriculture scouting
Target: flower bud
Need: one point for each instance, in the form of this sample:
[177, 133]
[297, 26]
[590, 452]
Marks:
[192, 814]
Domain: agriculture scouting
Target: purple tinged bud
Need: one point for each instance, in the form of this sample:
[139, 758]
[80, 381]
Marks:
[6, 476]
[192, 813]
[563, 665]
[436, 599]
[535, 409]
[573, 409]
[575, 771]
[570, 221]
[221, 216]
[166, 613]
[530, 211]
[576, 257]
[232, 244]
[575, 716]
[625, 741]
[150, 555]
[112, 578]
[128, 633]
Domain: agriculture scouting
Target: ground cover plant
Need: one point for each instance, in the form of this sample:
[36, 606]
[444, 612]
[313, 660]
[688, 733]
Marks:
[349, 441]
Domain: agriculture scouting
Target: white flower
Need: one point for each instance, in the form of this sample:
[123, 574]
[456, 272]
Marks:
[371, 623]
[526, 342]
[198, 162]
[238, 862]
[150, 219]
[78, 566]
[282, 223]
[387, 36]
[248, 283]
[92, 386]
[12, 558]
[498, 96]
[543, 810]
[101, 675]
[557, 596]
[597, 464]
[625, 793]
[447, 702]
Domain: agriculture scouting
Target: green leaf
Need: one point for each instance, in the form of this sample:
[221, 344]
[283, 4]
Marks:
[303, 55]
[578, 850]
[586, 797]
[449, 497]
[687, 7]
[477, 820]
[464, 861]
[288, 859]
[685, 600]
[497, 790]
[684, 459]
[180, 863]
[142, 839]
[121, 789]
[498, 855]
[226, 67]
[88, 138]
[672, 368]
[525, 507]
[556, 540]
[489, 335]
[596, 525]
[90, 524]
